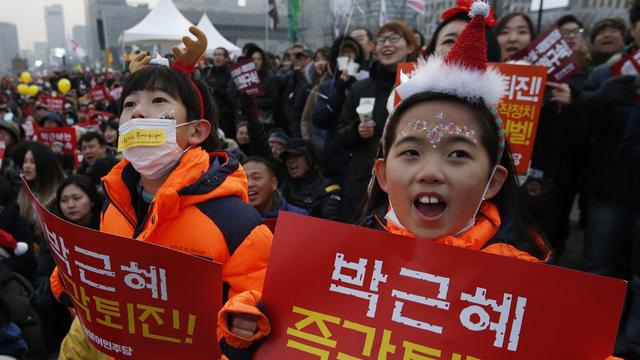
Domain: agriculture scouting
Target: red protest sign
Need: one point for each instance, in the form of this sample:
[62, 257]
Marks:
[404, 72]
[99, 94]
[367, 294]
[61, 140]
[245, 76]
[520, 109]
[89, 125]
[629, 65]
[552, 51]
[54, 103]
[105, 115]
[136, 300]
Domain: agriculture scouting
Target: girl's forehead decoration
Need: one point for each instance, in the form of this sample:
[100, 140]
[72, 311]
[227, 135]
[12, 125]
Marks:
[434, 132]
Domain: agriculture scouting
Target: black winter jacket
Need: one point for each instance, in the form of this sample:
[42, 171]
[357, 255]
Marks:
[364, 151]
[314, 193]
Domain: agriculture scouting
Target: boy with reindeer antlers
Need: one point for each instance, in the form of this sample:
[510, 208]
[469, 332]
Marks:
[183, 194]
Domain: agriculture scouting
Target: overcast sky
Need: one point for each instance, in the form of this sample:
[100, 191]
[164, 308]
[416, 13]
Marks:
[28, 16]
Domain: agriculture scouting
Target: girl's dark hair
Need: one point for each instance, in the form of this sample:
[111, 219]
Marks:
[158, 77]
[265, 67]
[49, 173]
[493, 48]
[85, 184]
[505, 20]
[508, 199]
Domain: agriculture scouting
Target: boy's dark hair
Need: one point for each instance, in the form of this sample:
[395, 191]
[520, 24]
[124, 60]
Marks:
[85, 184]
[634, 12]
[159, 77]
[265, 162]
[90, 136]
[369, 33]
[569, 19]
[508, 199]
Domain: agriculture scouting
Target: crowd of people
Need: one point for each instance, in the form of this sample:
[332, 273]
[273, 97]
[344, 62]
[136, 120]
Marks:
[303, 148]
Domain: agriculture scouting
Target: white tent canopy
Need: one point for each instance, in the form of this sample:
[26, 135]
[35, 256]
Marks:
[214, 38]
[164, 24]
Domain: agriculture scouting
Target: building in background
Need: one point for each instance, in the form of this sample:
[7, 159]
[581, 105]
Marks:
[9, 48]
[54, 22]
[79, 33]
[116, 16]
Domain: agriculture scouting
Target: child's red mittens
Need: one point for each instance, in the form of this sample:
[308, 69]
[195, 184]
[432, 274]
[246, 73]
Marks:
[243, 303]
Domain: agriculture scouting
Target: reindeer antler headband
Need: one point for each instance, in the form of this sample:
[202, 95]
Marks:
[185, 59]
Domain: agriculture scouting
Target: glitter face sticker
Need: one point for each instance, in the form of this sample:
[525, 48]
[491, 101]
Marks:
[435, 131]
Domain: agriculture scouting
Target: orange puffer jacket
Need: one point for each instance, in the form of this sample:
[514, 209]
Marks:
[201, 209]
[488, 234]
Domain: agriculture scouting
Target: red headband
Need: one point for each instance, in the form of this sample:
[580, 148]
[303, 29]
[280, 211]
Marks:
[187, 70]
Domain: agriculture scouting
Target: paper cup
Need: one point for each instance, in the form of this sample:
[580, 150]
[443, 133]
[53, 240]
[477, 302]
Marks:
[365, 112]
[353, 68]
[343, 63]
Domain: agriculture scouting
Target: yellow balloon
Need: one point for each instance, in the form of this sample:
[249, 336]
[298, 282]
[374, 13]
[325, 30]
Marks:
[22, 89]
[25, 77]
[64, 85]
[33, 90]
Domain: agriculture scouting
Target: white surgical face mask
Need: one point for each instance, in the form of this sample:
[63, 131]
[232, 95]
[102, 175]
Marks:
[153, 160]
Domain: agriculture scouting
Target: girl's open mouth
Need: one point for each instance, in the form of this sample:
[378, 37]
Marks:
[430, 206]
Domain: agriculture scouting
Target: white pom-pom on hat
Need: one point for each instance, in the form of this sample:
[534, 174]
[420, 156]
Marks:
[479, 8]
[21, 248]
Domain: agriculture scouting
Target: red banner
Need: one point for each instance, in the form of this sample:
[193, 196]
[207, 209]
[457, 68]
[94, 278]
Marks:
[629, 65]
[103, 115]
[54, 103]
[61, 140]
[338, 291]
[520, 110]
[99, 94]
[552, 51]
[245, 76]
[90, 125]
[136, 300]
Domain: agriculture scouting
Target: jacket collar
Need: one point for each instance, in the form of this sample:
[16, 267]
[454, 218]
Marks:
[486, 227]
[199, 176]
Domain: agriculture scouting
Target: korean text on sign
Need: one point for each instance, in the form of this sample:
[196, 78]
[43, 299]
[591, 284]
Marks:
[520, 110]
[131, 297]
[366, 294]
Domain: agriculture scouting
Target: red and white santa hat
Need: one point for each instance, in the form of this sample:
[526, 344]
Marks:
[9, 243]
[462, 73]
